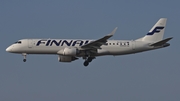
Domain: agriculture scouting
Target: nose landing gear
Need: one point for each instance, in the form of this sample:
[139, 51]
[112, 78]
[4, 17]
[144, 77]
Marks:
[24, 55]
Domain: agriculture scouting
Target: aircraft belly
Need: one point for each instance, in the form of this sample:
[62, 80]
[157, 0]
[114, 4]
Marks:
[120, 51]
[43, 50]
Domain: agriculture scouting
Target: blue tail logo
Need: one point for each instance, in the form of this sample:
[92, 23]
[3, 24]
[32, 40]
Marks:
[156, 30]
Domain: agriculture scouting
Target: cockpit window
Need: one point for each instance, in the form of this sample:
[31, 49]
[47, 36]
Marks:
[18, 42]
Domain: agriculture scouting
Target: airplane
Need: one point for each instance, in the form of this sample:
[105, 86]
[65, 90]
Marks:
[69, 50]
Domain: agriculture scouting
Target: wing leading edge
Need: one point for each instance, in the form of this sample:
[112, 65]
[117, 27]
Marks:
[98, 43]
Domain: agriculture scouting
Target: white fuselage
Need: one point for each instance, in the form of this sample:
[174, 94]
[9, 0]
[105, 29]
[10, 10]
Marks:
[52, 46]
[71, 49]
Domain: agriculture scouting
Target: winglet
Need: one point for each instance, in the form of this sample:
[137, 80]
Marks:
[112, 33]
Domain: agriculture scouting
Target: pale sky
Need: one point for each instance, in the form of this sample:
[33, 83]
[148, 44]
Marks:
[147, 76]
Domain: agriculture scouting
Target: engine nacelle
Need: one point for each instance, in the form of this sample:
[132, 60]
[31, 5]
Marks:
[68, 51]
[66, 58]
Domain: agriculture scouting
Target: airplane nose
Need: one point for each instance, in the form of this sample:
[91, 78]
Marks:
[8, 49]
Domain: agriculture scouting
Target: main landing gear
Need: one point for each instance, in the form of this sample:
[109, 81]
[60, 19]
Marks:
[88, 60]
[24, 55]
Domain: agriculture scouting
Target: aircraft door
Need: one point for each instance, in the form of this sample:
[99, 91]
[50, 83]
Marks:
[133, 45]
[30, 43]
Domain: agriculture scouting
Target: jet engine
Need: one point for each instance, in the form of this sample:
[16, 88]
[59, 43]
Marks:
[68, 51]
[66, 58]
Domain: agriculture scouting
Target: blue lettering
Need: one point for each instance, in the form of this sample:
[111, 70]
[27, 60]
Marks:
[80, 42]
[86, 42]
[55, 42]
[62, 42]
[48, 42]
[66, 42]
[40, 42]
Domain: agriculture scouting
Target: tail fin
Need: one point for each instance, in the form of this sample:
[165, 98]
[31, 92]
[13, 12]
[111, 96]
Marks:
[157, 31]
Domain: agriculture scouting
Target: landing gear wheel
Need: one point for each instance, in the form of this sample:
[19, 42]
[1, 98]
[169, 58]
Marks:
[89, 59]
[86, 63]
[24, 60]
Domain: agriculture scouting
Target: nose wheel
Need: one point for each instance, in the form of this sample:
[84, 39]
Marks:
[24, 60]
[24, 55]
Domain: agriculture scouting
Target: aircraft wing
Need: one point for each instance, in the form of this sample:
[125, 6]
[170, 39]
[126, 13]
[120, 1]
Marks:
[98, 43]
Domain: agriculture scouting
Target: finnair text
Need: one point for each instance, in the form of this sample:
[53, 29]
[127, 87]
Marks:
[62, 42]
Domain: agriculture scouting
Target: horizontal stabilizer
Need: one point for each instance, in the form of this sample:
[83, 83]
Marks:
[162, 42]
